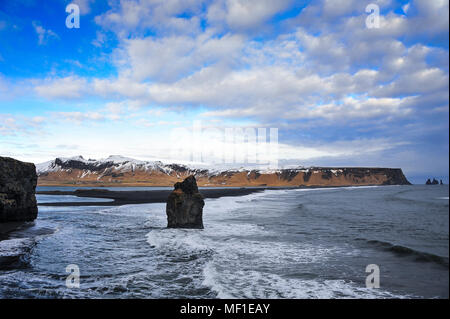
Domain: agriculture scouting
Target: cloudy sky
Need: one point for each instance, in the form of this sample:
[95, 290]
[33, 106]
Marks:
[339, 93]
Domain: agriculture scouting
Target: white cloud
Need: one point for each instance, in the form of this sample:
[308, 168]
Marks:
[100, 39]
[147, 123]
[13, 125]
[8, 125]
[422, 81]
[303, 71]
[324, 69]
[121, 87]
[84, 5]
[266, 91]
[311, 73]
[163, 15]
[169, 58]
[80, 117]
[43, 34]
[431, 17]
[244, 15]
[405, 8]
[68, 87]
[350, 108]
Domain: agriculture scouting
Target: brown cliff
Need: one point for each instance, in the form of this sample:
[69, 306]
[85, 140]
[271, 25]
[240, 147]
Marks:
[128, 173]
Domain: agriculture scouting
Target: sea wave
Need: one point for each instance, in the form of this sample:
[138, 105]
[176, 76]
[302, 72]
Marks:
[15, 248]
[246, 283]
[419, 256]
[241, 259]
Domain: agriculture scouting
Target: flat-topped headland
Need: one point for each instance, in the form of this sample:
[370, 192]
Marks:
[125, 172]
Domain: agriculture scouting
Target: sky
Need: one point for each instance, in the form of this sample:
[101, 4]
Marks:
[340, 91]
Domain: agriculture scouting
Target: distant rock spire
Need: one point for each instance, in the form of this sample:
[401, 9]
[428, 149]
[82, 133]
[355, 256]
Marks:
[434, 182]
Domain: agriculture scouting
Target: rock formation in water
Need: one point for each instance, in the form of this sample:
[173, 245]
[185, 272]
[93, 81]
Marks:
[434, 182]
[184, 206]
[17, 191]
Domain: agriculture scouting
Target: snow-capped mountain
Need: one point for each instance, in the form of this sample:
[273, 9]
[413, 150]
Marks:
[117, 170]
[114, 161]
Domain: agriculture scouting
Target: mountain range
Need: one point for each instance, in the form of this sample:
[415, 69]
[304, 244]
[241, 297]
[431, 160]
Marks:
[117, 170]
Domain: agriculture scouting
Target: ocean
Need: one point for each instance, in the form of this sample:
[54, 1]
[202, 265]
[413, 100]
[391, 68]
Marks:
[295, 243]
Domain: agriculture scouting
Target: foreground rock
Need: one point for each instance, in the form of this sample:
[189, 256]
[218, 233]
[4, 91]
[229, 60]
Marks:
[185, 205]
[17, 191]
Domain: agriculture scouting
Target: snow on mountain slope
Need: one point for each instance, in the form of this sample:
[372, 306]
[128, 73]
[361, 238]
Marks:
[126, 163]
[118, 159]
[115, 162]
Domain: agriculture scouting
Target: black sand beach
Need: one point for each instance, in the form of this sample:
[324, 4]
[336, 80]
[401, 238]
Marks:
[139, 197]
[158, 196]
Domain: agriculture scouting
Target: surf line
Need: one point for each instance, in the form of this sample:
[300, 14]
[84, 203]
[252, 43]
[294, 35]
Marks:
[229, 308]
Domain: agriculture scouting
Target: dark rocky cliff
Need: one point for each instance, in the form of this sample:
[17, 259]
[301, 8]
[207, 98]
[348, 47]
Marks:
[185, 205]
[17, 191]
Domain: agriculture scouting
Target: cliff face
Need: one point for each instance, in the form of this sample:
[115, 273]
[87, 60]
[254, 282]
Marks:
[314, 176]
[118, 171]
[17, 191]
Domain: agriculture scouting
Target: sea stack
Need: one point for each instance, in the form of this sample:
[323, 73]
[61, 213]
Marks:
[434, 182]
[17, 191]
[184, 206]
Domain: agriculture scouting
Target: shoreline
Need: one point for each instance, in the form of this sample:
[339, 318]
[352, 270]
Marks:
[139, 197]
[160, 196]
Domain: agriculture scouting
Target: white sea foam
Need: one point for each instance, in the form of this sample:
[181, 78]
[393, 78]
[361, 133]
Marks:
[242, 258]
[253, 284]
[14, 247]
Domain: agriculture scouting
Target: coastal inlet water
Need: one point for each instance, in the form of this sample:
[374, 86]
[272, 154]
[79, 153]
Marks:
[296, 243]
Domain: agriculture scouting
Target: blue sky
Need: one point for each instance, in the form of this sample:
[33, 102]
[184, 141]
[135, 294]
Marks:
[340, 93]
